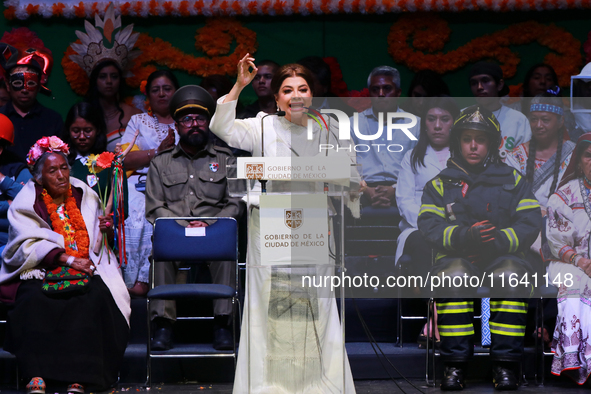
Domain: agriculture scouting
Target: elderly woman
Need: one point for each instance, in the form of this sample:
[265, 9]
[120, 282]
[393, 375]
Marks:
[298, 351]
[69, 318]
[568, 230]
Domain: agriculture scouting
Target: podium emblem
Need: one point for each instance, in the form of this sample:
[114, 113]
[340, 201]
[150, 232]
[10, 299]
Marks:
[294, 218]
[255, 170]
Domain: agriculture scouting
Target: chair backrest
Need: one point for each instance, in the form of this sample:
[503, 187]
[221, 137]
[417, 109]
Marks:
[219, 242]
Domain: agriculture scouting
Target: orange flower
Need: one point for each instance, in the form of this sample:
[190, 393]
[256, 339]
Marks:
[32, 9]
[184, 8]
[125, 8]
[105, 159]
[10, 13]
[58, 9]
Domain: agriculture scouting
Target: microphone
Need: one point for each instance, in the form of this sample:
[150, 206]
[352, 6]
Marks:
[278, 113]
[264, 181]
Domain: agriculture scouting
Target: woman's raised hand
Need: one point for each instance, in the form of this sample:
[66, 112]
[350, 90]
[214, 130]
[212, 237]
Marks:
[245, 75]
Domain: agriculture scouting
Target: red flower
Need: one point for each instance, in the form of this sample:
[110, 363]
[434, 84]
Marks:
[105, 159]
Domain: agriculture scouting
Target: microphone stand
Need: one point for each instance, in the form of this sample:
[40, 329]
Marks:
[264, 181]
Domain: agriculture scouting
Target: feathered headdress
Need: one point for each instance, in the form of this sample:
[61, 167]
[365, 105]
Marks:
[107, 40]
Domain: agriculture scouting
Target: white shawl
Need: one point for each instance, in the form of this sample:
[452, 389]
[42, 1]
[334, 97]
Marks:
[30, 239]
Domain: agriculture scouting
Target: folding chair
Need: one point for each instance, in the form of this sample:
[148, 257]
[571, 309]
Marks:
[174, 242]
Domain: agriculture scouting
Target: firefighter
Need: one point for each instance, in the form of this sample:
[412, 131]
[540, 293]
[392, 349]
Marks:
[481, 217]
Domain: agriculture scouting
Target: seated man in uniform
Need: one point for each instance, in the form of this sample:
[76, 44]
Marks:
[481, 217]
[190, 180]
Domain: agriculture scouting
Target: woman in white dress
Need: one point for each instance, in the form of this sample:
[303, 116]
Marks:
[419, 166]
[569, 230]
[295, 342]
[156, 133]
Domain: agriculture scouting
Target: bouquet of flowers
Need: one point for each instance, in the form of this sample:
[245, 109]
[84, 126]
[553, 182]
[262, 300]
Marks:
[98, 163]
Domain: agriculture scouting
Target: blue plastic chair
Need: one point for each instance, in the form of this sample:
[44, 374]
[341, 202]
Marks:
[171, 243]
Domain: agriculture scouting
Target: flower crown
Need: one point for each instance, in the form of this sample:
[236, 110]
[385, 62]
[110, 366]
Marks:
[46, 144]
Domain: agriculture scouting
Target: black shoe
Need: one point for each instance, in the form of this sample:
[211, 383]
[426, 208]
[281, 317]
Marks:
[453, 379]
[162, 335]
[222, 334]
[504, 378]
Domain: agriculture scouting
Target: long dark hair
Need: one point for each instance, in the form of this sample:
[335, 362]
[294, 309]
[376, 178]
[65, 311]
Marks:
[446, 103]
[552, 99]
[431, 82]
[94, 116]
[93, 94]
[527, 96]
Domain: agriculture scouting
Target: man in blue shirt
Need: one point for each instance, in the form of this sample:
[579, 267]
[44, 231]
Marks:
[378, 151]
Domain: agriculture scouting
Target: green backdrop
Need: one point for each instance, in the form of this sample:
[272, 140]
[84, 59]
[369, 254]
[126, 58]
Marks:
[359, 42]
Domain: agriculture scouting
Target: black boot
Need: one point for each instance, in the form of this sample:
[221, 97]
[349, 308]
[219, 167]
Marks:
[453, 377]
[162, 334]
[222, 333]
[504, 376]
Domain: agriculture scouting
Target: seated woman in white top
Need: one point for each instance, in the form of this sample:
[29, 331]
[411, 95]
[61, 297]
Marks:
[423, 163]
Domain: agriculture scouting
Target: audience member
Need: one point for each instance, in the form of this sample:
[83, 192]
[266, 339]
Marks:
[262, 88]
[65, 289]
[216, 85]
[480, 216]
[419, 166]
[25, 79]
[13, 176]
[568, 230]
[85, 134]
[157, 133]
[324, 97]
[106, 69]
[189, 179]
[106, 92]
[487, 84]
[545, 157]
[380, 167]
[4, 96]
[425, 83]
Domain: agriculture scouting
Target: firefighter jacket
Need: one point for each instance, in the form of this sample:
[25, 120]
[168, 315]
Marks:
[455, 200]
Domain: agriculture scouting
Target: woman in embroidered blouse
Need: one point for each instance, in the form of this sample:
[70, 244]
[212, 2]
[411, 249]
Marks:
[157, 133]
[568, 230]
[545, 157]
[65, 336]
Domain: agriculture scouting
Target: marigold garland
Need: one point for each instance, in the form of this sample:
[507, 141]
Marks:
[429, 32]
[214, 39]
[22, 9]
[80, 232]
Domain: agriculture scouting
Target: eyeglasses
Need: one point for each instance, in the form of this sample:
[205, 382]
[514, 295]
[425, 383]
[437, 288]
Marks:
[87, 132]
[187, 121]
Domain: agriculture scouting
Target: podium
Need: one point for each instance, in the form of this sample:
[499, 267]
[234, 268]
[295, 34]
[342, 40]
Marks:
[292, 338]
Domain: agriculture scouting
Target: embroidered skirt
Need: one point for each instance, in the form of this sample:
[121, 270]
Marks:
[68, 338]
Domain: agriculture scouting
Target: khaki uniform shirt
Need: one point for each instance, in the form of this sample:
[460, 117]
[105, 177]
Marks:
[180, 185]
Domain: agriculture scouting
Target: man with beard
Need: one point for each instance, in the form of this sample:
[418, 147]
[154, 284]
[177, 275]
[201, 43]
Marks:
[190, 180]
